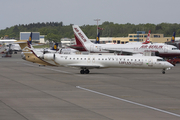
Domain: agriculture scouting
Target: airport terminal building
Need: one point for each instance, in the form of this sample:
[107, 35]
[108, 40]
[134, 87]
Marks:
[140, 37]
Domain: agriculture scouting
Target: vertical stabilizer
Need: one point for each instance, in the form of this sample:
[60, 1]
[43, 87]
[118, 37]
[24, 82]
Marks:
[80, 36]
[30, 38]
[55, 47]
[173, 37]
[30, 53]
[97, 38]
[148, 38]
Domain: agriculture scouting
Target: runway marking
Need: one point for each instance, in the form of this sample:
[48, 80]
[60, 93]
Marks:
[142, 105]
[48, 68]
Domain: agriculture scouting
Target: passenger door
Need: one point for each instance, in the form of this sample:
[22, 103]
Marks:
[150, 62]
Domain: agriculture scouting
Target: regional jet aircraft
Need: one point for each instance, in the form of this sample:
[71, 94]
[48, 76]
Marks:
[84, 44]
[86, 62]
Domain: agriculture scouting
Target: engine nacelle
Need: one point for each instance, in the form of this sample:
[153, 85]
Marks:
[49, 56]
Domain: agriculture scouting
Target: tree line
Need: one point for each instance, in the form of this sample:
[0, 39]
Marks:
[56, 30]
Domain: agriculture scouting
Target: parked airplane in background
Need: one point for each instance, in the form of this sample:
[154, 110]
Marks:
[30, 54]
[86, 62]
[7, 41]
[44, 50]
[84, 44]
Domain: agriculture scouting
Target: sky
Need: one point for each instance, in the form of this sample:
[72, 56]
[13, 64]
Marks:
[84, 12]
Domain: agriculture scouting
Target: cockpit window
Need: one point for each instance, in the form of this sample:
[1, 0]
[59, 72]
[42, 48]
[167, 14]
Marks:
[160, 60]
[175, 49]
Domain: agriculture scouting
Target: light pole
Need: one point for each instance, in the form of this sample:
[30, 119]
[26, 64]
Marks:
[97, 24]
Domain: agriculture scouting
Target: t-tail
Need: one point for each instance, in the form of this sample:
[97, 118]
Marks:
[30, 38]
[81, 39]
[173, 37]
[30, 54]
[148, 38]
[97, 38]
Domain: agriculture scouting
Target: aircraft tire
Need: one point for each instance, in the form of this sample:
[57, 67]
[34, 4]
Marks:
[86, 71]
[82, 71]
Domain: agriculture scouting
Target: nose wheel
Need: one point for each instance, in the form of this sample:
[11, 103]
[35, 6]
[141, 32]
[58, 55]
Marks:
[86, 71]
[163, 71]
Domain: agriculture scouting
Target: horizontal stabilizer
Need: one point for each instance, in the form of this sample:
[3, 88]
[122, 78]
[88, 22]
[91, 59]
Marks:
[21, 41]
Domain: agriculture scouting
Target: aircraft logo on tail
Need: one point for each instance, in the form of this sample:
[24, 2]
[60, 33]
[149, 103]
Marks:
[173, 37]
[148, 38]
[55, 47]
[97, 38]
[81, 39]
[30, 38]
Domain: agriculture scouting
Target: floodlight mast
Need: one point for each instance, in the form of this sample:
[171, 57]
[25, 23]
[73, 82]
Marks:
[97, 23]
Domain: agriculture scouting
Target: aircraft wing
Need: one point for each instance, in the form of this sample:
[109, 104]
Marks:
[84, 66]
[120, 51]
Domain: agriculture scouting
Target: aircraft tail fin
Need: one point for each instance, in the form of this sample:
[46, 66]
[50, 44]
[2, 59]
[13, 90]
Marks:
[55, 47]
[30, 38]
[148, 38]
[80, 37]
[173, 37]
[97, 38]
[30, 54]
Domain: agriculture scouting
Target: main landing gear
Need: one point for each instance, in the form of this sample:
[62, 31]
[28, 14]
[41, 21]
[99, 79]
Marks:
[163, 71]
[84, 71]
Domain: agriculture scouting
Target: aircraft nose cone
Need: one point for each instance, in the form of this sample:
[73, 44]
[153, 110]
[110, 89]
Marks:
[170, 65]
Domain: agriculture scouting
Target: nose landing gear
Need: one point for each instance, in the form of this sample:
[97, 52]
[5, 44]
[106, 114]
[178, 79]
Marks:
[86, 71]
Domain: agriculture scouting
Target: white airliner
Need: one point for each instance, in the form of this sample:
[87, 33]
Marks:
[86, 62]
[84, 44]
